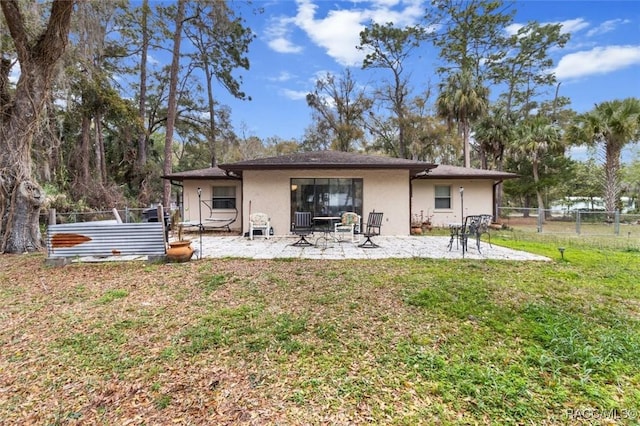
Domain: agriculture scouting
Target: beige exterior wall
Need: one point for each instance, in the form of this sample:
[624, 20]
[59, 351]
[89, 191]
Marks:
[269, 191]
[385, 191]
[478, 199]
[191, 200]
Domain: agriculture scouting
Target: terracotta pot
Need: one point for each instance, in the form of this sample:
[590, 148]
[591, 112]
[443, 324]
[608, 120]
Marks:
[179, 251]
[416, 230]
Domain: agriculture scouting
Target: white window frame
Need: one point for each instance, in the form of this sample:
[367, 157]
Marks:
[228, 199]
[441, 197]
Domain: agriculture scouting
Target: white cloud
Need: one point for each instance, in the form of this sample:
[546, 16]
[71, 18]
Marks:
[338, 33]
[607, 26]
[513, 29]
[572, 25]
[282, 45]
[294, 95]
[278, 35]
[568, 26]
[282, 77]
[599, 60]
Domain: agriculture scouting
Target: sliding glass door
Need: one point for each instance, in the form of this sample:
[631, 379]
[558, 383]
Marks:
[326, 196]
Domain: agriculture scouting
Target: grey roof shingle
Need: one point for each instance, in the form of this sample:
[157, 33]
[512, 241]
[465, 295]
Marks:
[340, 160]
[208, 173]
[328, 160]
[444, 171]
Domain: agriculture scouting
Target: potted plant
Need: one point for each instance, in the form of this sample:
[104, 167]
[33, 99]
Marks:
[416, 224]
[426, 222]
[179, 250]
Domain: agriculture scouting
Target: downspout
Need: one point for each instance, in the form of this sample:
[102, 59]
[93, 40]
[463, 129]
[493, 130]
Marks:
[411, 179]
[180, 199]
[493, 201]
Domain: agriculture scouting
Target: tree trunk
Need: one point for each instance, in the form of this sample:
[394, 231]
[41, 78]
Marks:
[173, 104]
[536, 179]
[84, 156]
[611, 180]
[20, 195]
[142, 106]
[466, 134]
[101, 159]
[212, 114]
[141, 172]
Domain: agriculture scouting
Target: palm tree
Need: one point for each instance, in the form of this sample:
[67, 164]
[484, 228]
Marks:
[612, 124]
[537, 137]
[494, 132]
[462, 99]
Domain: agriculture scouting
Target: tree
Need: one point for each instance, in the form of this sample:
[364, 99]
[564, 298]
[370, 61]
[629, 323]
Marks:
[587, 181]
[142, 95]
[461, 100]
[538, 138]
[342, 107]
[38, 53]
[173, 101]
[611, 125]
[90, 72]
[389, 47]
[221, 42]
[493, 133]
[526, 69]
[471, 43]
[631, 182]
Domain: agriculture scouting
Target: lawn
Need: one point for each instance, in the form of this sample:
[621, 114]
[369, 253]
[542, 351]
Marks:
[323, 342]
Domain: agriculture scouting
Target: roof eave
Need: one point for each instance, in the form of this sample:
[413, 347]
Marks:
[314, 166]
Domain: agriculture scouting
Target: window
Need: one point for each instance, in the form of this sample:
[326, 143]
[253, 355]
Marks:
[443, 197]
[326, 196]
[224, 197]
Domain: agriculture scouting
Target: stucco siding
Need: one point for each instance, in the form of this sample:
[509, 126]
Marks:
[477, 199]
[269, 191]
[386, 191]
[190, 202]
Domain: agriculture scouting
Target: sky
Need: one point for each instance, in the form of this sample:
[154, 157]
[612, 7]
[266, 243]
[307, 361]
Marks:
[299, 41]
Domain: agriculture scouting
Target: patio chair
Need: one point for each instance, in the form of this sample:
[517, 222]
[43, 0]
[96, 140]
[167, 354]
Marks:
[259, 222]
[372, 229]
[476, 225]
[349, 225]
[302, 227]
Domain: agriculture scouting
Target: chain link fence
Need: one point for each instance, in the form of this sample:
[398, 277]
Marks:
[127, 215]
[574, 222]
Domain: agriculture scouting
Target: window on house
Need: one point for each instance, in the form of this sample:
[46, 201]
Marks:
[443, 197]
[326, 196]
[224, 197]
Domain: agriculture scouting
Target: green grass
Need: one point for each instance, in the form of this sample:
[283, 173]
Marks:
[396, 341]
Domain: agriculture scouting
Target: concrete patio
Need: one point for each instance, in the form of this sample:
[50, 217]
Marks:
[390, 247]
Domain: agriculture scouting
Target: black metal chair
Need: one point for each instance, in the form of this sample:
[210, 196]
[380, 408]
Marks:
[475, 225]
[302, 226]
[372, 229]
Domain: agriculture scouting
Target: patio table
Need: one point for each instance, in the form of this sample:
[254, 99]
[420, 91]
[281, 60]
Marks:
[325, 224]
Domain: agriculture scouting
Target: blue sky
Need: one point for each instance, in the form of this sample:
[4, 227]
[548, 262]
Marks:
[300, 40]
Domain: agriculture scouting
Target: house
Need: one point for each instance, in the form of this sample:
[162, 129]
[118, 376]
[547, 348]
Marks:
[331, 182]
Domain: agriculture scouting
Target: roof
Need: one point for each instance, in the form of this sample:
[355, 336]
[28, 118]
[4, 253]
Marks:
[208, 173]
[328, 160]
[340, 160]
[444, 171]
